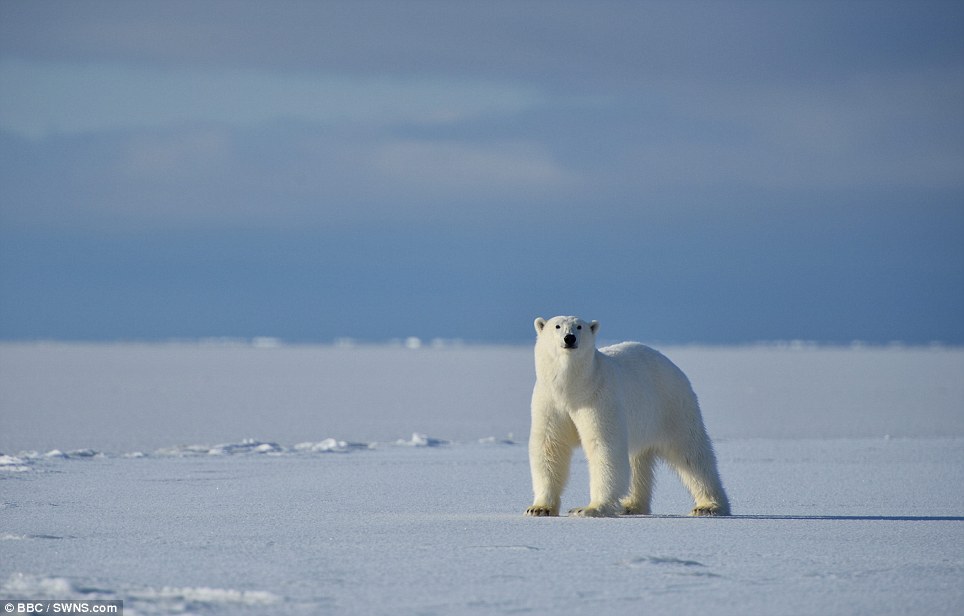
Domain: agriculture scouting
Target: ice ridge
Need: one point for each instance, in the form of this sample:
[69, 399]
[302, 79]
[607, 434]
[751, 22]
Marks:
[25, 461]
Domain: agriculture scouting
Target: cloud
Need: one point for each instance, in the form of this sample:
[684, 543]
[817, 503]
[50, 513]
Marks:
[873, 131]
[361, 111]
[43, 98]
[282, 177]
[176, 156]
[447, 168]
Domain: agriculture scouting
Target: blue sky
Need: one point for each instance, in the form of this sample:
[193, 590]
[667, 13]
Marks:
[715, 172]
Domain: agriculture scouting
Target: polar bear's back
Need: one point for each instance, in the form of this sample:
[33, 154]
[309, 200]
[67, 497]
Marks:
[631, 349]
[647, 361]
[653, 387]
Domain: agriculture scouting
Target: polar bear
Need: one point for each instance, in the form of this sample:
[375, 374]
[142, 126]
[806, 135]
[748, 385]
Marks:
[628, 406]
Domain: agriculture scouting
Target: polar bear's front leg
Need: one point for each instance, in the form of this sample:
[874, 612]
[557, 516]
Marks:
[551, 442]
[607, 453]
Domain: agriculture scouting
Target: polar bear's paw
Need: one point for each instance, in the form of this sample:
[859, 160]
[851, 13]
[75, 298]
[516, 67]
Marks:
[633, 508]
[704, 511]
[539, 511]
[592, 512]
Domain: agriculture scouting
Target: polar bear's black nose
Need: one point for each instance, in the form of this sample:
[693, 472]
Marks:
[570, 340]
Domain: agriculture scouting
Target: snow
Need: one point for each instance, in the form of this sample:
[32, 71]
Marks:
[263, 479]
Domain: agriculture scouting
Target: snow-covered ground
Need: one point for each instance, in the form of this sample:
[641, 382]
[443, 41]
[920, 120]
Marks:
[233, 479]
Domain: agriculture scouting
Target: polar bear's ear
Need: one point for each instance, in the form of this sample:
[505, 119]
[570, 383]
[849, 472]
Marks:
[540, 323]
[594, 326]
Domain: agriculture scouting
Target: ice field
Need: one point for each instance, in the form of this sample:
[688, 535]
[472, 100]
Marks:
[235, 478]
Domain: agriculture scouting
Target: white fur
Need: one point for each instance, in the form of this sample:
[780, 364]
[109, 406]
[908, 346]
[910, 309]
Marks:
[628, 406]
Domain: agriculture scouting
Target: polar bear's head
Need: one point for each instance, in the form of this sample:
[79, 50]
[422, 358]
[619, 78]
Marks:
[567, 333]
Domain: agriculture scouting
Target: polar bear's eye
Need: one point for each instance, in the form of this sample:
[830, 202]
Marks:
[558, 326]
[579, 327]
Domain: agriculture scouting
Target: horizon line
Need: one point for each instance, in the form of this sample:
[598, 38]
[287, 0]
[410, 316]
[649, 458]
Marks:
[416, 342]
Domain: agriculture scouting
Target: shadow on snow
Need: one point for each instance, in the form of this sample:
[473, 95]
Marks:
[856, 518]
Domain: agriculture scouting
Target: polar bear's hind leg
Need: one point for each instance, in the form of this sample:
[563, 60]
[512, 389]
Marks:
[637, 502]
[698, 473]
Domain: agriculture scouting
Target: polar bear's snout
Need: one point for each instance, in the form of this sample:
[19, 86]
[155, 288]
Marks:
[570, 341]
